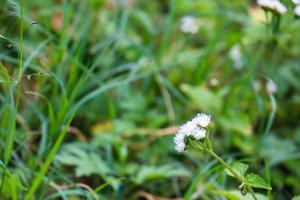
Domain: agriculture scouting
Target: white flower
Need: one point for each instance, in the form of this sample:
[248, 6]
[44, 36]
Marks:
[297, 10]
[188, 128]
[214, 82]
[236, 56]
[179, 138]
[271, 87]
[188, 25]
[266, 3]
[195, 127]
[202, 120]
[296, 2]
[279, 7]
[180, 147]
[199, 133]
[275, 5]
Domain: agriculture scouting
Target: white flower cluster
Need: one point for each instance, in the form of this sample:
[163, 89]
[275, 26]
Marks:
[188, 25]
[195, 127]
[297, 2]
[297, 8]
[275, 5]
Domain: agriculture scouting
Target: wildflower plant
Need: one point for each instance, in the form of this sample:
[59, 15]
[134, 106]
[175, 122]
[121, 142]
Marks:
[194, 134]
[297, 8]
[188, 25]
[276, 8]
[273, 5]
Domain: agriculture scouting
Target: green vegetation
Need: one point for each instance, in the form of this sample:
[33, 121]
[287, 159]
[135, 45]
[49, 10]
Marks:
[93, 92]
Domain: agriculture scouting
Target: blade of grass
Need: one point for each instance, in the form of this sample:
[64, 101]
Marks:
[10, 126]
[38, 179]
[204, 172]
[13, 113]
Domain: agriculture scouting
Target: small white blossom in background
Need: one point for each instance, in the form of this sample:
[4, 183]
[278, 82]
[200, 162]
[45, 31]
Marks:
[279, 7]
[271, 87]
[214, 82]
[236, 57]
[274, 5]
[297, 2]
[195, 128]
[188, 25]
[266, 3]
[297, 10]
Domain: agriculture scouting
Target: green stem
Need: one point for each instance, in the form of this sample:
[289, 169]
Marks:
[272, 114]
[252, 193]
[20, 58]
[241, 179]
[226, 165]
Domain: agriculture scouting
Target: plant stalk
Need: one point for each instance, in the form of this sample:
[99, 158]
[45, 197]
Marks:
[226, 165]
[241, 179]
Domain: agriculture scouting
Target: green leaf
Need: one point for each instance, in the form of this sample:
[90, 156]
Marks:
[296, 198]
[147, 173]
[229, 195]
[236, 121]
[236, 195]
[4, 76]
[122, 151]
[239, 168]
[271, 145]
[41, 174]
[203, 98]
[86, 163]
[143, 19]
[256, 181]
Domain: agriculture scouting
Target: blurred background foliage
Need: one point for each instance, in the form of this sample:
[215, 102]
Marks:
[132, 77]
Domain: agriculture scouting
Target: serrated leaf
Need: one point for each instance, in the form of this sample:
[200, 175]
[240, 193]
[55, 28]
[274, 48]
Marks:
[239, 168]
[256, 181]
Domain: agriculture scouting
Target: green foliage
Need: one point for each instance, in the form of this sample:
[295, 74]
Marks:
[236, 195]
[92, 92]
[209, 102]
[147, 173]
[252, 180]
[85, 163]
[239, 168]
[256, 181]
[270, 146]
[4, 74]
